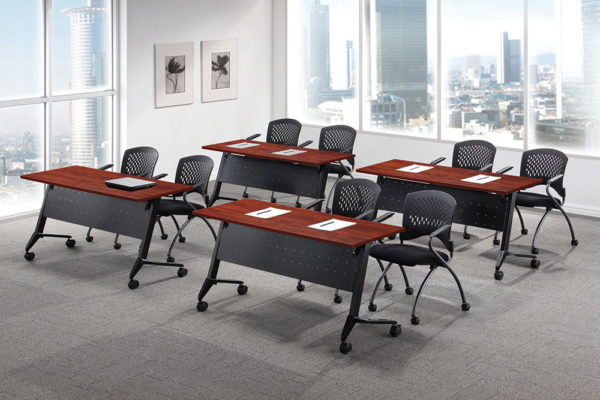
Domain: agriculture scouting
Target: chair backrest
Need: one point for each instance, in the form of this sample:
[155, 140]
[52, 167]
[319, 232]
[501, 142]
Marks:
[353, 197]
[338, 138]
[473, 154]
[194, 170]
[425, 211]
[545, 164]
[139, 161]
[284, 131]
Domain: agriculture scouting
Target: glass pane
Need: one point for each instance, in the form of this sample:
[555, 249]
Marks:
[322, 61]
[21, 152]
[22, 44]
[482, 71]
[400, 64]
[564, 42]
[81, 132]
[81, 45]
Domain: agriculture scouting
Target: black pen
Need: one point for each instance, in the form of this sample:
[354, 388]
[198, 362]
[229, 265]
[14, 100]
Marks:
[326, 223]
[483, 177]
[264, 211]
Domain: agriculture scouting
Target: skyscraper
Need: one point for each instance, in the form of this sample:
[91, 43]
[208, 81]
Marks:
[590, 28]
[88, 34]
[318, 45]
[400, 30]
[509, 60]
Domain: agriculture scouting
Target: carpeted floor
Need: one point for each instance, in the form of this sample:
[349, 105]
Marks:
[71, 329]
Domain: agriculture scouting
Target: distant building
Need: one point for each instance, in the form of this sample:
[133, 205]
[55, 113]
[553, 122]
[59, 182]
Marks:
[388, 111]
[318, 44]
[590, 27]
[509, 60]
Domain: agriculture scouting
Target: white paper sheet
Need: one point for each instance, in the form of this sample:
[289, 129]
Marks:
[269, 212]
[243, 145]
[415, 168]
[481, 179]
[332, 225]
[289, 152]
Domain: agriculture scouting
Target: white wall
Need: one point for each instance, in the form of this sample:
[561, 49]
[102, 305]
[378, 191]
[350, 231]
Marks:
[582, 175]
[183, 130]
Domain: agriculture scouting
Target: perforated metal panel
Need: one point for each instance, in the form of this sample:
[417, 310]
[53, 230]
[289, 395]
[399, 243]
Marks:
[110, 214]
[299, 258]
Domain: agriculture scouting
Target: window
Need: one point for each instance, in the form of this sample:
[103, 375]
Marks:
[519, 73]
[56, 101]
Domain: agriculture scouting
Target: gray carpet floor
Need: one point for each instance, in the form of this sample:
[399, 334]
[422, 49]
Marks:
[71, 329]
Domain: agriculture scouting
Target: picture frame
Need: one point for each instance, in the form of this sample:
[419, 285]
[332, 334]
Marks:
[174, 74]
[219, 70]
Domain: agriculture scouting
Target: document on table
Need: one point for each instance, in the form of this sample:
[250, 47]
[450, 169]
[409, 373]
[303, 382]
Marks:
[481, 179]
[415, 168]
[243, 145]
[332, 225]
[269, 212]
[289, 152]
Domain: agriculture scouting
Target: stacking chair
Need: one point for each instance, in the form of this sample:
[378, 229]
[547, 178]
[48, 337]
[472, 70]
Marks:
[548, 165]
[354, 198]
[426, 213]
[138, 161]
[284, 131]
[338, 138]
[194, 171]
[472, 154]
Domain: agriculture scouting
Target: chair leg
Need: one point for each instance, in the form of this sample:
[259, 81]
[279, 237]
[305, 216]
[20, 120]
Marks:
[212, 230]
[523, 229]
[116, 244]
[298, 202]
[245, 193]
[327, 209]
[574, 242]
[337, 299]
[466, 234]
[88, 237]
[534, 249]
[372, 305]
[413, 318]
[177, 235]
[181, 238]
[496, 241]
[408, 290]
[465, 306]
[273, 199]
[163, 235]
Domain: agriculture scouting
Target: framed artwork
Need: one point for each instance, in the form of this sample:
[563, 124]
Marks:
[219, 70]
[174, 74]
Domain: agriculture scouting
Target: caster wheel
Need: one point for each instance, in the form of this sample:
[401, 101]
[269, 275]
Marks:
[181, 239]
[242, 290]
[345, 347]
[408, 291]
[30, 255]
[373, 307]
[414, 320]
[133, 284]
[70, 243]
[181, 272]
[524, 231]
[245, 195]
[117, 246]
[298, 205]
[388, 287]
[202, 306]
[574, 242]
[164, 236]
[467, 236]
[534, 263]
[498, 275]
[466, 306]
[395, 330]
[300, 287]
[337, 299]
[170, 259]
[89, 239]
[534, 250]
[273, 200]
[496, 242]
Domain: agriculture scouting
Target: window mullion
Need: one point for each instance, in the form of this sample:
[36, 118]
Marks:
[47, 80]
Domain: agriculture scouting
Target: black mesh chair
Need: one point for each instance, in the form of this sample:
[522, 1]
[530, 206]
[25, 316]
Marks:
[548, 165]
[427, 212]
[194, 171]
[339, 138]
[353, 198]
[138, 161]
[285, 131]
[477, 155]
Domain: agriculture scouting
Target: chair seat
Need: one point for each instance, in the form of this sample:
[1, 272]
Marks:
[526, 199]
[406, 254]
[336, 168]
[176, 207]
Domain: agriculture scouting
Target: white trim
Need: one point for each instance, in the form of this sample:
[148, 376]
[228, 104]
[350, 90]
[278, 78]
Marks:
[23, 215]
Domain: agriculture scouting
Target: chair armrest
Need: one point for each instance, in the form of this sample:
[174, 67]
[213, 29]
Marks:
[366, 215]
[194, 189]
[439, 231]
[553, 179]
[449, 245]
[160, 176]
[305, 143]
[314, 203]
[105, 167]
[549, 186]
[253, 136]
[383, 217]
[437, 160]
[486, 167]
[504, 170]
